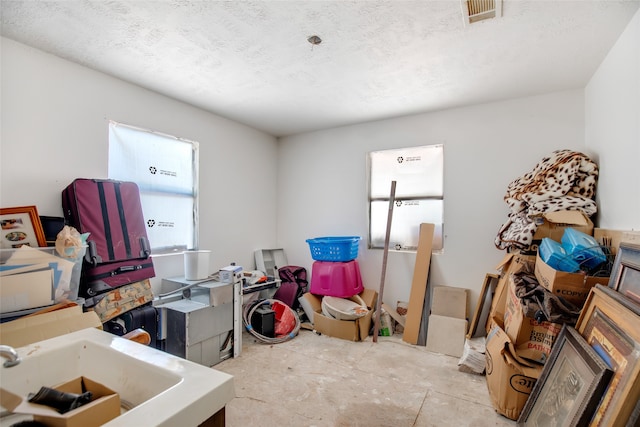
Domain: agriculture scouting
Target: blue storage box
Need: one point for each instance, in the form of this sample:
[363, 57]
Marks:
[554, 255]
[584, 249]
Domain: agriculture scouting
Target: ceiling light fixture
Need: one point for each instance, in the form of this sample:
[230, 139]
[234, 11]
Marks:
[314, 40]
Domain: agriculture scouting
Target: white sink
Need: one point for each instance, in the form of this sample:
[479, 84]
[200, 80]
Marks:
[161, 389]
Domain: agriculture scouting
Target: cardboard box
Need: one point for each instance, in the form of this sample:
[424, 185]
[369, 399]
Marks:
[352, 330]
[532, 340]
[104, 407]
[31, 329]
[613, 238]
[230, 274]
[450, 302]
[511, 263]
[510, 378]
[553, 224]
[574, 287]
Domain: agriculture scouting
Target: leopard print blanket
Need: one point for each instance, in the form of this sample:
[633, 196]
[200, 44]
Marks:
[564, 180]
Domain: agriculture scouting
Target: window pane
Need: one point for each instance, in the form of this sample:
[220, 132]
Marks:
[165, 169]
[418, 172]
[155, 162]
[169, 228]
[405, 224]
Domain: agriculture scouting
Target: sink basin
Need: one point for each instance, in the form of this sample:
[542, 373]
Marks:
[160, 389]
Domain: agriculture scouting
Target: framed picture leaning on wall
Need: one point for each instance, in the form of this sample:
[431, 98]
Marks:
[570, 385]
[21, 226]
[625, 274]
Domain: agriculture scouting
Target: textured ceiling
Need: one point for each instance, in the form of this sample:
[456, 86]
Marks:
[250, 60]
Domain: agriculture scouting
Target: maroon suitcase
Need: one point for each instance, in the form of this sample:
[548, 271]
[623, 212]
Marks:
[118, 250]
[294, 284]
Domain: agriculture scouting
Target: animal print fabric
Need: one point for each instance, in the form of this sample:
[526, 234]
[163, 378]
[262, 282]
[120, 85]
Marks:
[564, 180]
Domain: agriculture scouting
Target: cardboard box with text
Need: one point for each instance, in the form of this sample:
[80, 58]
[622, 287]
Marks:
[510, 379]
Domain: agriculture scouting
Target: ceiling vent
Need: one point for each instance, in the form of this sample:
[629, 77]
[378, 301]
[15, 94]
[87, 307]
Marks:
[478, 10]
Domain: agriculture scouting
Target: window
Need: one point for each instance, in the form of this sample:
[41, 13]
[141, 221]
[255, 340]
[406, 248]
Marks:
[419, 197]
[165, 169]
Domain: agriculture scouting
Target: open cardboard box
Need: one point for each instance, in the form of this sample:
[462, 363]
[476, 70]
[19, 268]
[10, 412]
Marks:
[104, 406]
[510, 379]
[553, 224]
[30, 329]
[574, 287]
[352, 330]
[510, 264]
[531, 339]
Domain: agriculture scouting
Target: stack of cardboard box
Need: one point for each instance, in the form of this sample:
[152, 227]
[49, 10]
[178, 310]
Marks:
[517, 346]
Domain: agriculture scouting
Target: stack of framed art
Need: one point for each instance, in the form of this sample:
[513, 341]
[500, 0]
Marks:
[592, 377]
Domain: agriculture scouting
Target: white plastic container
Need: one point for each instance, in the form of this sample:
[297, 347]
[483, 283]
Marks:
[344, 309]
[196, 264]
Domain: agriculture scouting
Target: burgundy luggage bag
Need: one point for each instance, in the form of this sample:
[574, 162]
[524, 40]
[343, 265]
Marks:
[118, 251]
[294, 284]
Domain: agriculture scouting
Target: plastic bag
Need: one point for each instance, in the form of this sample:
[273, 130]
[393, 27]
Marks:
[285, 320]
[69, 242]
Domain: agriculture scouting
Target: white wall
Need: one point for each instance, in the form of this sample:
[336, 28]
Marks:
[55, 118]
[322, 182]
[612, 105]
[54, 129]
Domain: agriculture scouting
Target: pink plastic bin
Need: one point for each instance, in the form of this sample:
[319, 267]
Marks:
[336, 279]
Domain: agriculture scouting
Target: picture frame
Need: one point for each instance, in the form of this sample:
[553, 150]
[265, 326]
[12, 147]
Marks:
[570, 385]
[610, 323]
[21, 226]
[480, 316]
[625, 274]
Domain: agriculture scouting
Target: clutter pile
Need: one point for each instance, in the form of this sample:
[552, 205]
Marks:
[543, 303]
[563, 181]
[337, 303]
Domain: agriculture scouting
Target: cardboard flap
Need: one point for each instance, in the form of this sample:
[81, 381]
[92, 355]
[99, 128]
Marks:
[18, 405]
[505, 261]
[511, 355]
[41, 319]
[566, 217]
[29, 330]
[500, 341]
[370, 297]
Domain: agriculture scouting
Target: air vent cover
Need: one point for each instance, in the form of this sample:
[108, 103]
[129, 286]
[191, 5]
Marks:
[478, 10]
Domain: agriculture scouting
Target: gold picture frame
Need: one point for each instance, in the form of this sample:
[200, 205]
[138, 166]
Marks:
[610, 323]
[21, 226]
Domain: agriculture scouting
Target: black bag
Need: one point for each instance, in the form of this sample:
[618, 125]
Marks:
[144, 317]
[294, 284]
